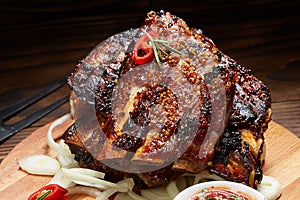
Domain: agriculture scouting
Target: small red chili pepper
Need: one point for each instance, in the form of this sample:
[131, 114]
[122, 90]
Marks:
[143, 52]
[50, 192]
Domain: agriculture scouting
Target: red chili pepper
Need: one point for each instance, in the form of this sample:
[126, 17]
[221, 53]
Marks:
[143, 52]
[50, 192]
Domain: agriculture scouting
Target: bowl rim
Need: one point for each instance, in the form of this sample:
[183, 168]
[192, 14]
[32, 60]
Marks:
[189, 191]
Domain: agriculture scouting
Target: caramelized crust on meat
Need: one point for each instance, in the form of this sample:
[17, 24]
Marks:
[233, 150]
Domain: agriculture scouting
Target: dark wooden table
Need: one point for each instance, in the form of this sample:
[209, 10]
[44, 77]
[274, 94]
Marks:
[42, 41]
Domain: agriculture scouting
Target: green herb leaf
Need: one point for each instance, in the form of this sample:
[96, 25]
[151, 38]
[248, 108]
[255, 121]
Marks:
[162, 41]
[158, 50]
[204, 190]
[170, 48]
[44, 195]
[235, 197]
[156, 55]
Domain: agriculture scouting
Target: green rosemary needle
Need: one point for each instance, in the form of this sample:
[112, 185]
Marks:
[157, 45]
[44, 195]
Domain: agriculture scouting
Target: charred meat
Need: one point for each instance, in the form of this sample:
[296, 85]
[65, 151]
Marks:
[201, 111]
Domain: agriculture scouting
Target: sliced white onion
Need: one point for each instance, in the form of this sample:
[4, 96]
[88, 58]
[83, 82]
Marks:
[65, 157]
[84, 190]
[197, 178]
[135, 196]
[52, 144]
[123, 196]
[126, 185]
[172, 189]
[90, 184]
[87, 180]
[270, 188]
[59, 179]
[40, 165]
[181, 183]
[88, 172]
[106, 194]
[159, 193]
[205, 175]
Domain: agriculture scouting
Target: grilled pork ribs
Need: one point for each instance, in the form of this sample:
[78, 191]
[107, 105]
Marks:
[201, 111]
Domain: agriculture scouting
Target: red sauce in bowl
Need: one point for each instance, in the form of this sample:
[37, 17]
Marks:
[219, 193]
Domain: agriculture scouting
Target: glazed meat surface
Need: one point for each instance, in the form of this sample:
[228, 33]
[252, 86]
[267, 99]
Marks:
[201, 111]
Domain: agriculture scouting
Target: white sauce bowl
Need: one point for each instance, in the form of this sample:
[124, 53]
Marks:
[235, 187]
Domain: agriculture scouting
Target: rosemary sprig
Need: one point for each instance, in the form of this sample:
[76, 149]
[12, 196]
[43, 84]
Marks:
[169, 48]
[157, 45]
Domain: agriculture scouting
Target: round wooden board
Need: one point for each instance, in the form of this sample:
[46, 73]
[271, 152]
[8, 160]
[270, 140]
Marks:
[282, 162]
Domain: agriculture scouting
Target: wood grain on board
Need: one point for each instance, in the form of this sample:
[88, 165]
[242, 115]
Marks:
[282, 162]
